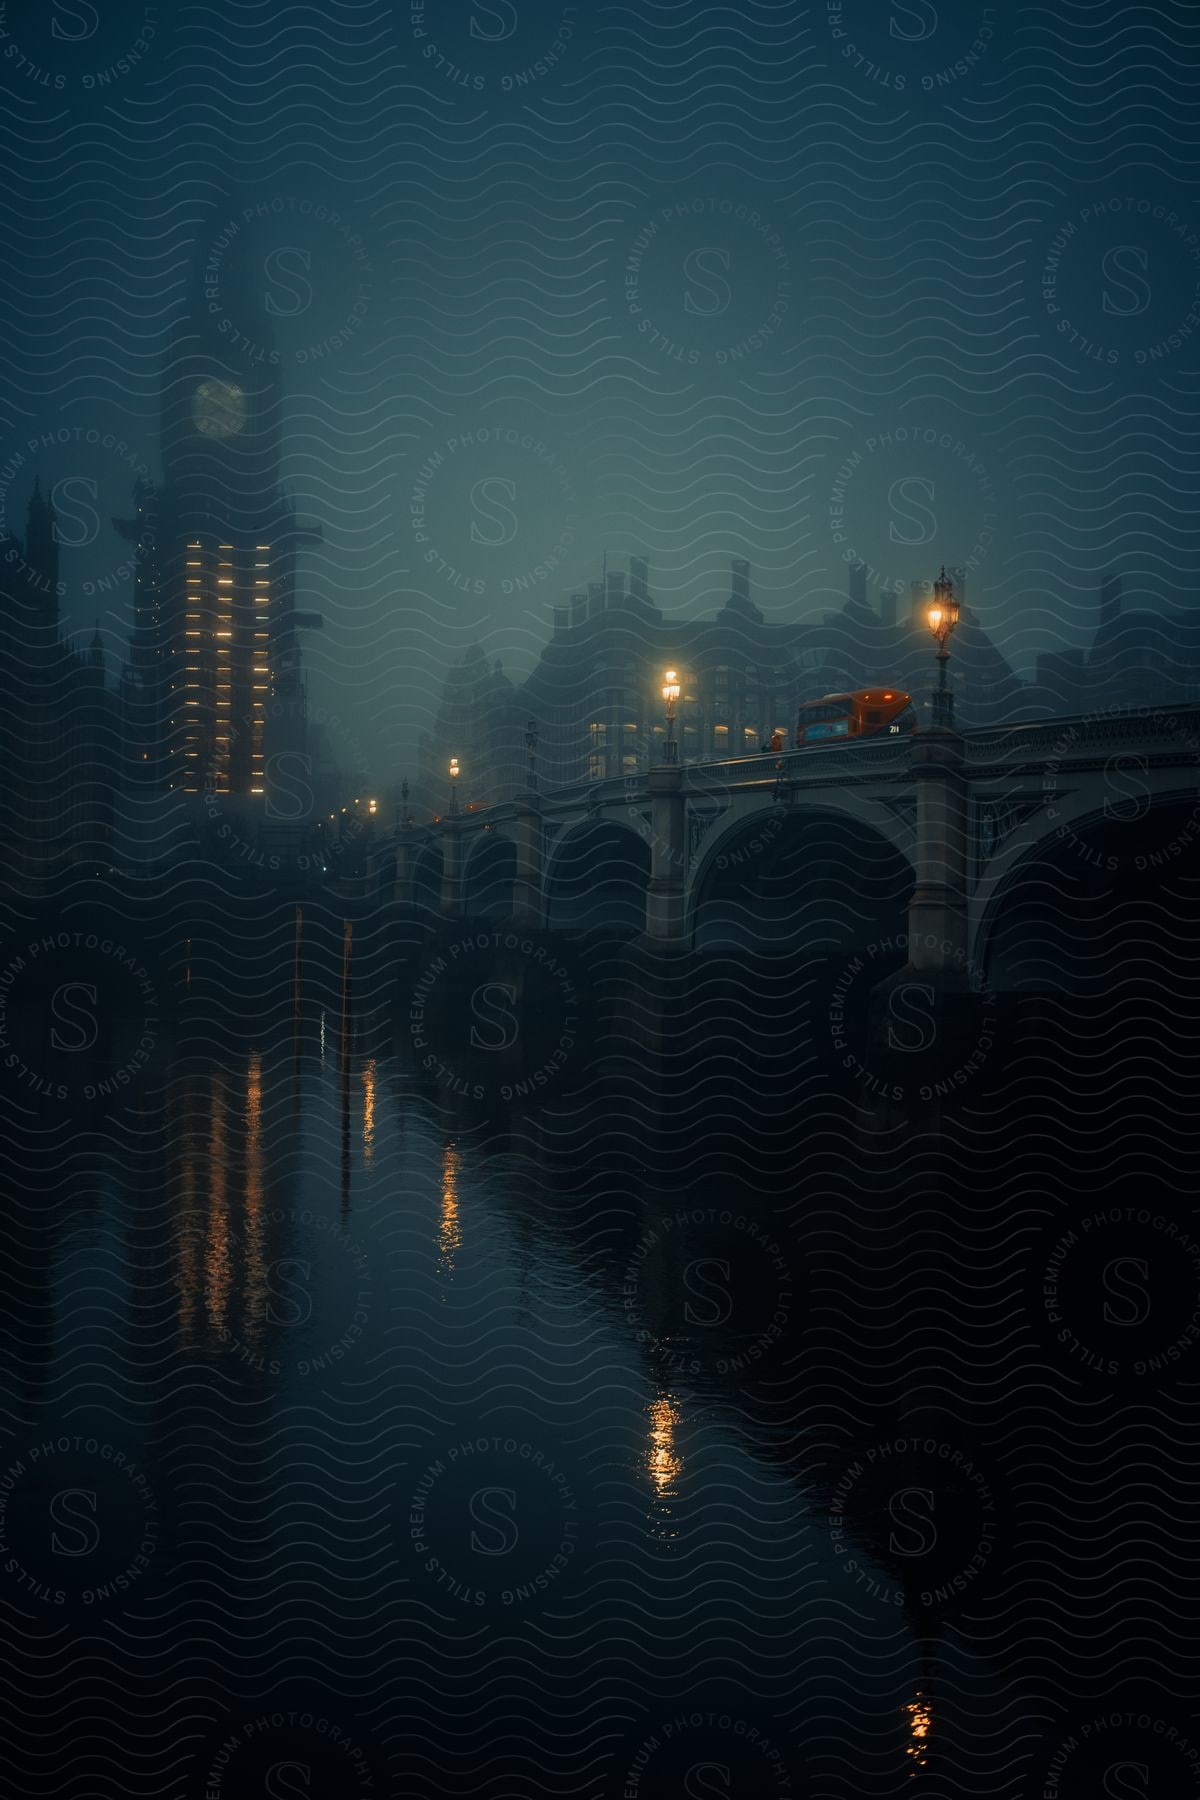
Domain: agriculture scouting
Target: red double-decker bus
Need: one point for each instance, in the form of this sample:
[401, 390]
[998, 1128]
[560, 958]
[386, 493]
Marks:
[870, 712]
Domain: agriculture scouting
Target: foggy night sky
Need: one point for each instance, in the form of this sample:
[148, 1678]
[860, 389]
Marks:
[711, 263]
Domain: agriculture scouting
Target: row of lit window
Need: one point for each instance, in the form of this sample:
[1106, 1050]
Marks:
[599, 733]
[761, 705]
[721, 746]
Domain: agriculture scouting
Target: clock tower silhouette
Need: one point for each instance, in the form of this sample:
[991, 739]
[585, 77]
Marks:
[214, 671]
[222, 403]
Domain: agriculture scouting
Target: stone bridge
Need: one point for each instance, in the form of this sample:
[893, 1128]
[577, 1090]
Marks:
[933, 831]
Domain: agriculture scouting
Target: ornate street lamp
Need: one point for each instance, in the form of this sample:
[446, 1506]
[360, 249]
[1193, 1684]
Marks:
[531, 749]
[453, 787]
[670, 694]
[404, 792]
[943, 617]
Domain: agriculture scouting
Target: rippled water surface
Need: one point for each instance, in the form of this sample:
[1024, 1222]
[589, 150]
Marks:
[719, 1424]
[358, 1398]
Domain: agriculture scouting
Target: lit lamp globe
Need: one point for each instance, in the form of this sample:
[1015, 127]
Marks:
[670, 694]
[943, 609]
[943, 617]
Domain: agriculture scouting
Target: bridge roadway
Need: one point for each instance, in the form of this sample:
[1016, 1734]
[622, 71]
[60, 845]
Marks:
[967, 811]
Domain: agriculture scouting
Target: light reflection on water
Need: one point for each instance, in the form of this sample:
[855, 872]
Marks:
[663, 1462]
[449, 1239]
[221, 1244]
[218, 1259]
[255, 1224]
[920, 1730]
[241, 1157]
[520, 1315]
[368, 1115]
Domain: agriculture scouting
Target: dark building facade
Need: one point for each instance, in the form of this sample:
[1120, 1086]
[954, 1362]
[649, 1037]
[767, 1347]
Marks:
[481, 721]
[59, 723]
[1140, 656]
[595, 697]
[597, 691]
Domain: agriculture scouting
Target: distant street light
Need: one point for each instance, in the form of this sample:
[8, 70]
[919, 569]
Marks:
[670, 694]
[943, 617]
[453, 787]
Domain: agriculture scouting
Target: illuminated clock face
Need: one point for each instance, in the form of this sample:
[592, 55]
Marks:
[219, 409]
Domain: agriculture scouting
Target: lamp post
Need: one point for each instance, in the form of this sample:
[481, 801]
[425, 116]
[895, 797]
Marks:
[943, 617]
[670, 694]
[454, 787]
[404, 793]
[531, 749]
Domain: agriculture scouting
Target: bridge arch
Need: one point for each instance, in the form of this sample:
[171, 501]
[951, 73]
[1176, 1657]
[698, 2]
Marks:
[1088, 882]
[596, 877]
[829, 877]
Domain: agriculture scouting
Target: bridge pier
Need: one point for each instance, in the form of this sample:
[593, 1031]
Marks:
[406, 868]
[937, 912]
[529, 884]
[666, 909]
[452, 900]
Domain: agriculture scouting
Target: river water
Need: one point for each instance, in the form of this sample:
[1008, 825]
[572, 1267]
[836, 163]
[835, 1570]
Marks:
[398, 1403]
